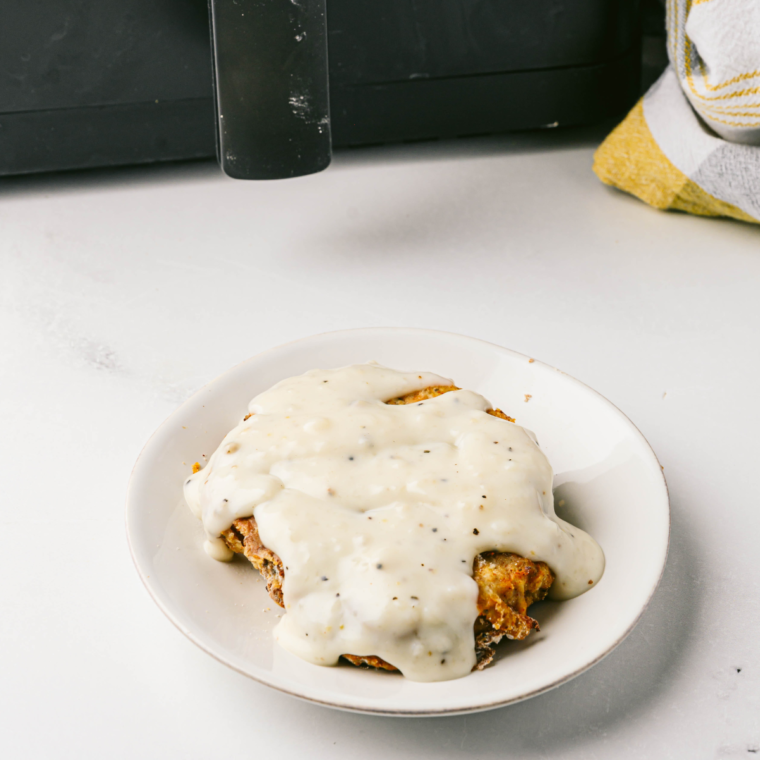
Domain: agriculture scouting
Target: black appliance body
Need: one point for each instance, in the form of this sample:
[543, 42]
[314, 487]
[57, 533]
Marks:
[88, 83]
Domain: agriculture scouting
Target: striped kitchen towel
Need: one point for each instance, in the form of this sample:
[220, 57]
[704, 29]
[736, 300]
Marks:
[692, 143]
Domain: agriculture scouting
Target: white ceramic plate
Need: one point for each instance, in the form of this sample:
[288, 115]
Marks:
[605, 472]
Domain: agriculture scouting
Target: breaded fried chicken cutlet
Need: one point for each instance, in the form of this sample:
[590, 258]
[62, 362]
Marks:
[507, 583]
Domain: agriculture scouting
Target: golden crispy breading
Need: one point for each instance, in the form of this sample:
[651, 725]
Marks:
[423, 395]
[369, 662]
[438, 390]
[498, 413]
[507, 583]
[243, 538]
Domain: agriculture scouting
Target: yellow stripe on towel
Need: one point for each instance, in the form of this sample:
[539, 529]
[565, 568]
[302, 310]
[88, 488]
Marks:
[630, 160]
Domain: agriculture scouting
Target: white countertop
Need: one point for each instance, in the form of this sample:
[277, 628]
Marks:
[122, 292]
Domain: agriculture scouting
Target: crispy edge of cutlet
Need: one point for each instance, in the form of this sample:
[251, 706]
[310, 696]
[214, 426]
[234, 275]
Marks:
[438, 390]
[507, 583]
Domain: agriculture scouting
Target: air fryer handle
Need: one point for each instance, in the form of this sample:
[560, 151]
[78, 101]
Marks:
[270, 85]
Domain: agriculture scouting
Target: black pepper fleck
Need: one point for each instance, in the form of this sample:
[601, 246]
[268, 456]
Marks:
[324, 577]
[350, 459]
[484, 496]
[435, 530]
[476, 531]
[415, 597]
[379, 566]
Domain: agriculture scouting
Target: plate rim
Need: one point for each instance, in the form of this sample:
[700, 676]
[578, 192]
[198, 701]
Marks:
[365, 710]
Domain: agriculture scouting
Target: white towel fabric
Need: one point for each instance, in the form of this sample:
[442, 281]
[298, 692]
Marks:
[714, 46]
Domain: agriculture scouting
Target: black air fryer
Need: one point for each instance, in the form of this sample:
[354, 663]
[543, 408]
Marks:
[87, 83]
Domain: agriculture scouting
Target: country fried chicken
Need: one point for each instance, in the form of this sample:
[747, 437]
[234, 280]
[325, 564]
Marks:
[507, 583]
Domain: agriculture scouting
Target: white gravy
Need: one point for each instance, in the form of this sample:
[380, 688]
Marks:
[377, 512]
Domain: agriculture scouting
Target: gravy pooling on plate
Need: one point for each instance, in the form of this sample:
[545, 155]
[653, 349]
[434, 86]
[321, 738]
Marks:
[377, 512]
